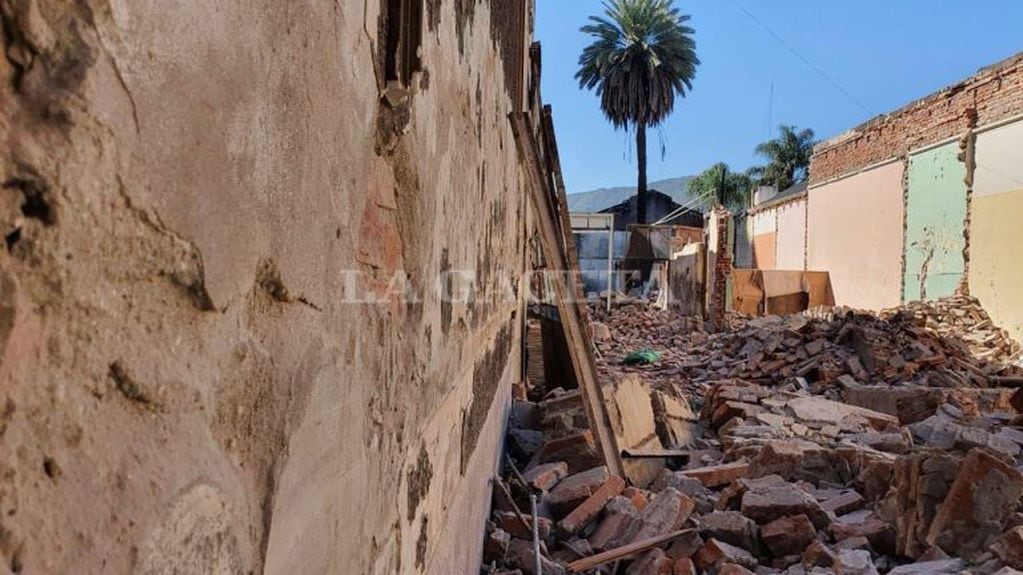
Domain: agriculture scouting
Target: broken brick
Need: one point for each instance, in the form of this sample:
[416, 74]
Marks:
[684, 566]
[766, 505]
[718, 475]
[638, 497]
[868, 525]
[1009, 548]
[578, 451]
[845, 502]
[983, 495]
[574, 489]
[618, 516]
[685, 546]
[818, 554]
[509, 521]
[733, 569]
[666, 513]
[521, 555]
[653, 562]
[593, 505]
[545, 476]
[731, 527]
[855, 562]
[715, 553]
[496, 546]
[788, 535]
[793, 460]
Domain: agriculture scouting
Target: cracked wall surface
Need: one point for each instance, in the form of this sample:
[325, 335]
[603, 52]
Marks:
[188, 190]
[935, 216]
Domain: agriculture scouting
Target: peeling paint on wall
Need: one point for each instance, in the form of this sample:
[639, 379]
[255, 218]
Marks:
[935, 217]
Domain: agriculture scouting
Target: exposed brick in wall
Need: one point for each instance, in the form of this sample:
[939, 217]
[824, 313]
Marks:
[722, 266]
[993, 94]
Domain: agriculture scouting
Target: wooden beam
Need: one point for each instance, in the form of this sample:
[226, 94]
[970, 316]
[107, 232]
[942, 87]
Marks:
[554, 159]
[1006, 381]
[624, 551]
[572, 320]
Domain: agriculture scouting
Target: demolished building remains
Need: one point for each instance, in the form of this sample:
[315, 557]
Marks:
[299, 296]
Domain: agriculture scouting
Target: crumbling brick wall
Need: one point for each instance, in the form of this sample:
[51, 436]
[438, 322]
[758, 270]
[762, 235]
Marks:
[994, 94]
[194, 194]
[720, 262]
[932, 139]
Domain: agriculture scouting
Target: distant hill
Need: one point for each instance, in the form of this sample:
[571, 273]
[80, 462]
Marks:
[597, 200]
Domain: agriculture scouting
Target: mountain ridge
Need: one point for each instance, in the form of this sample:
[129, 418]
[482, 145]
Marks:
[603, 198]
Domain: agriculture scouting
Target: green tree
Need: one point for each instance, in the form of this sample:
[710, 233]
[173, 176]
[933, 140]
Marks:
[788, 158]
[718, 184]
[642, 57]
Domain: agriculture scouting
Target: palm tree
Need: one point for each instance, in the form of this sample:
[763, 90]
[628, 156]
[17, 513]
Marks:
[642, 57]
[788, 158]
[717, 184]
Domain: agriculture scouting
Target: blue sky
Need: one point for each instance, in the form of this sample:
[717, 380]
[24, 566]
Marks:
[885, 53]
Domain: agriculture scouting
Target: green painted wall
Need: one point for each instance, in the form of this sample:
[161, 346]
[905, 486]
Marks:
[935, 219]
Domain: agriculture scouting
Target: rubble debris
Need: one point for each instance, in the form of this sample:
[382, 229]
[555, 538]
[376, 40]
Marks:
[1009, 548]
[984, 493]
[845, 443]
[949, 343]
[789, 535]
[594, 504]
[731, 527]
[714, 554]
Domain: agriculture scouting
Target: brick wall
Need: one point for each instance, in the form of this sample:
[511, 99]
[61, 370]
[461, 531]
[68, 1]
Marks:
[722, 266]
[993, 94]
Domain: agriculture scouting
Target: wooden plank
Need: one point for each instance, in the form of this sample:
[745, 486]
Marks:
[624, 551]
[554, 159]
[576, 332]
[1006, 381]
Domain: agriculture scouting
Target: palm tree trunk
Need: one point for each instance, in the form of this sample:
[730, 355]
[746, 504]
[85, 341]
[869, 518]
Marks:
[641, 160]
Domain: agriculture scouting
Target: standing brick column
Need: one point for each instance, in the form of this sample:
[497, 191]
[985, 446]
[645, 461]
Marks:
[720, 219]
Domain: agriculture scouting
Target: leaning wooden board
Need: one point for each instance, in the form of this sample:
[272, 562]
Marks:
[572, 319]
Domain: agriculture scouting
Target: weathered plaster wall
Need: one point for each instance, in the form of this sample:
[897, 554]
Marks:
[764, 239]
[764, 248]
[996, 233]
[791, 249]
[935, 220]
[744, 242]
[855, 232]
[182, 383]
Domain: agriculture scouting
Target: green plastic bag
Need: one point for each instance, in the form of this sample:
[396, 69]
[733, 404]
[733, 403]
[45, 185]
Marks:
[641, 357]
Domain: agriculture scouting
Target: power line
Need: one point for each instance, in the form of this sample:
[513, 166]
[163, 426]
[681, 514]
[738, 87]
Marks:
[803, 58]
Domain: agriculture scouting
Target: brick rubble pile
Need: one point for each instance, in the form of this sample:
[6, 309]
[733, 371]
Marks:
[849, 444]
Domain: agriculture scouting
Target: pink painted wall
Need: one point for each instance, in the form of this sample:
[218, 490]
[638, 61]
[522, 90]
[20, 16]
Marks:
[791, 249]
[856, 233]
